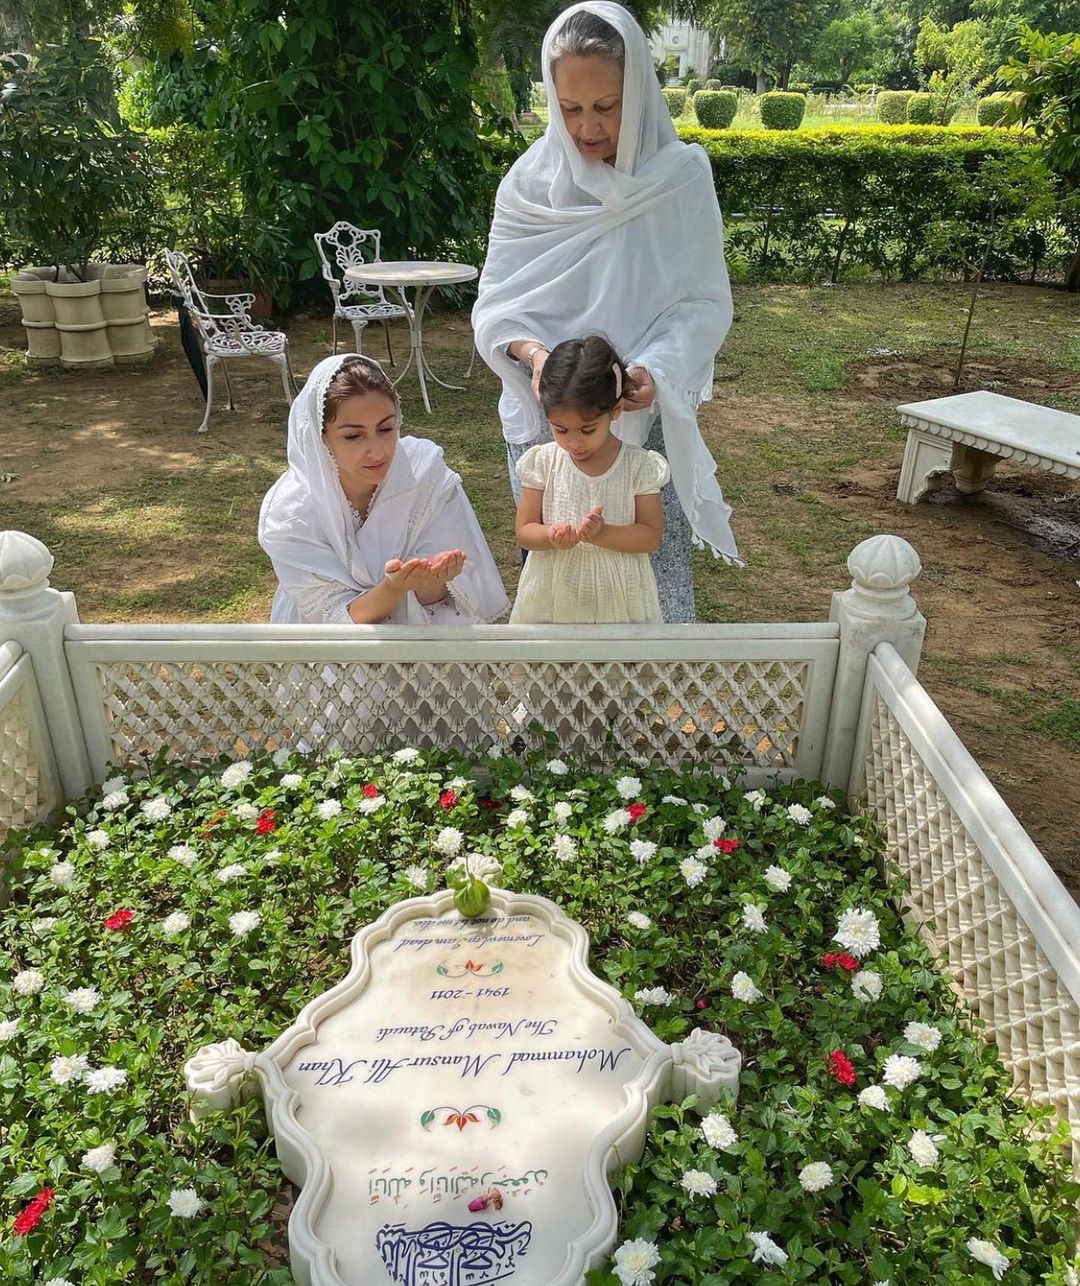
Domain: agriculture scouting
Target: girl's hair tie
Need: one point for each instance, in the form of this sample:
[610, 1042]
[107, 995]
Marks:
[618, 380]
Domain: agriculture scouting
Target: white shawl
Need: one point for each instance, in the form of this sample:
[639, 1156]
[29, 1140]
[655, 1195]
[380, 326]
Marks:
[633, 251]
[420, 509]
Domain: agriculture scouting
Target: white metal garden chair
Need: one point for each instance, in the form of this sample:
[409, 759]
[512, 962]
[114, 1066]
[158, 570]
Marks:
[359, 305]
[227, 330]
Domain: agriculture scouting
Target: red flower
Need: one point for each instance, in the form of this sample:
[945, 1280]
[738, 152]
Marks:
[839, 960]
[637, 812]
[448, 799]
[370, 790]
[489, 803]
[30, 1217]
[841, 1068]
[212, 823]
[119, 920]
[266, 822]
[702, 1004]
[726, 845]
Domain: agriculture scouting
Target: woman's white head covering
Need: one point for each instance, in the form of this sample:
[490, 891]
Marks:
[633, 251]
[307, 528]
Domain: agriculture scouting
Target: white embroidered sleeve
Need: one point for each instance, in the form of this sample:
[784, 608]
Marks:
[324, 602]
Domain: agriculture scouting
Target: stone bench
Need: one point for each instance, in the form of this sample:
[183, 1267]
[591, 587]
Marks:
[967, 434]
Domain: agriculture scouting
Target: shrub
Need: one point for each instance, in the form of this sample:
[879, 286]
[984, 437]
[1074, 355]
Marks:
[714, 84]
[716, 109]
[676, 101]
[892, 106]
[800, 87]
[930, 109]
[781, 110]
[694, 85]
[993, 109]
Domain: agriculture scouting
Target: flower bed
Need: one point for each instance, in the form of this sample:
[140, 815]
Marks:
[874, 1139]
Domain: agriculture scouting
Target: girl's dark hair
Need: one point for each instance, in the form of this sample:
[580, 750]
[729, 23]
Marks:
[356, 374]
[580, 374]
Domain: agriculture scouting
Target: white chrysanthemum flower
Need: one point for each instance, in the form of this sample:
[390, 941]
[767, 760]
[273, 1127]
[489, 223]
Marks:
[156, 809]
[113, 800]
[479, 866]
[643, 850]
[700, 809]
[370, 804]
[43, 925]
[184, 854]
[858, 931]
[653, 996]
[742, 988]
[271, 855]
[925, 1036]
[815, 1176]
[243, 922]
[328, 808]
[105, 1080]
[693, 871]
[563, 811]
[83, 999]
[99, 1159]
[8, 1028]
[823, 801]
[458, 783]
[64, 1069]
[638, 919]
[617, 821]
[184, 1203]
[28, 982]
[59, 1281]
[705, 853]
[900, 1071]
[874, 1096]
[517, 817]
[111, 784]
[246, 811]
[866, 985]
[449, 841]
[674, 799]
[766, 1250]
[718, 1132]
[291, 781]
[557, 768]
[231, 872]
[235, 774]
[634, 1262]
[922, 1148]
[987, 1253]
[754, 917]
[281, 756]
[62, 874]
[714, 827]
[416, 877]
[565, 848]
[757, 799]
[698, 1183]
[98, 839]
[521, 795]
[628, 787]
[407, 755]
[175, 923]
[799, 814]
[777, 878]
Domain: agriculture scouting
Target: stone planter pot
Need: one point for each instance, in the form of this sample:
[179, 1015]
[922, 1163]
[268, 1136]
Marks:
[123, 304]
[84, 337]
[38, 315]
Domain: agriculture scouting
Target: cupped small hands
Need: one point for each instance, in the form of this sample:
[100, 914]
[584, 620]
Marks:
[564, 535]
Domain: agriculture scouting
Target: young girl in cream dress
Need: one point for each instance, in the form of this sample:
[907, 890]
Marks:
[590, 512]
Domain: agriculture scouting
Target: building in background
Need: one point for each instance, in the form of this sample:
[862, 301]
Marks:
[691, 46]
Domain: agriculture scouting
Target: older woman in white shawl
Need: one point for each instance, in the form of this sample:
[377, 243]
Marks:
[366, 526]
[609, 224]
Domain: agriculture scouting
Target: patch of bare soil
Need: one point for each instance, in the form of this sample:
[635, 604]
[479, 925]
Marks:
[895, 378]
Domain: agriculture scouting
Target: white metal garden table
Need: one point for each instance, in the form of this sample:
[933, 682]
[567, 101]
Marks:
[423, 277]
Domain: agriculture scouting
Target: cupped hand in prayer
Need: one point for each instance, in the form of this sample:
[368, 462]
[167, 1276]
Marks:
[425, 576]
[592, 525]
[641, 392]
[563, 535]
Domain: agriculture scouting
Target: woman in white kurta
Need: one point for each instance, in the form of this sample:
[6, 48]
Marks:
[609, 225]
[367, 526]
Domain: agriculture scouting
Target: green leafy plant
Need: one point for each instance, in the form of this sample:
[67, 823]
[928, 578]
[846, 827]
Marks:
[994, 109]
[782, 111]
[715, 109]
[892, 105]
[675, 97]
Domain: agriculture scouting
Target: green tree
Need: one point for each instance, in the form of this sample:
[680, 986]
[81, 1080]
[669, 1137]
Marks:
[769, 36]
[954, 60]
[1045, 77]
[850, 44]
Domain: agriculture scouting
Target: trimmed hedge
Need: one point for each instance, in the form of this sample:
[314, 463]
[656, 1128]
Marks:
[676, 102]
[694, 86]
[782, 111]
[715, 109]
[815, 204]
[714, 84]
[892, 106]
[993, 109]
